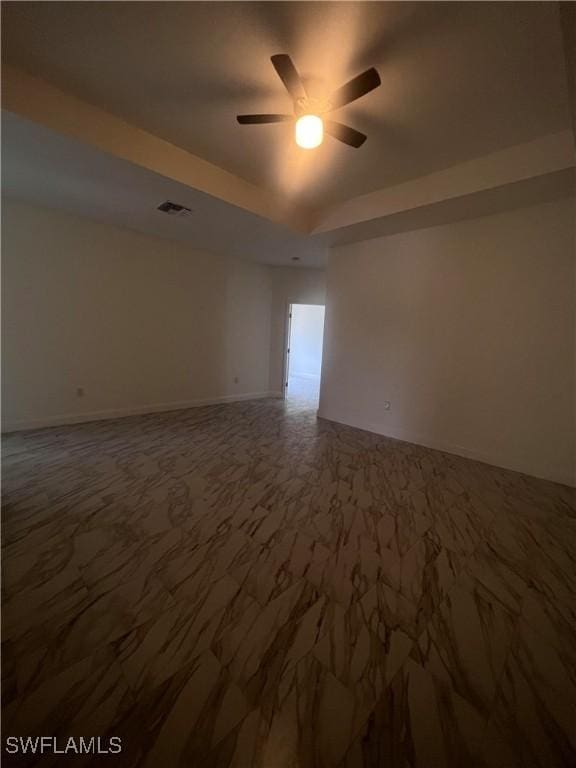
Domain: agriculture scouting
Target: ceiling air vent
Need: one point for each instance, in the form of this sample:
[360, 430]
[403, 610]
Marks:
[174, 209]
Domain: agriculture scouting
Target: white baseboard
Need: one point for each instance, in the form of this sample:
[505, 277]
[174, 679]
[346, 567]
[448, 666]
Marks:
[439, 445]
[118, 413]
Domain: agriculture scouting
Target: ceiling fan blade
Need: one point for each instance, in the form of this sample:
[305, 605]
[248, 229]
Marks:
[261, 119]
[344, 133]
[355, 88]
[288, 73]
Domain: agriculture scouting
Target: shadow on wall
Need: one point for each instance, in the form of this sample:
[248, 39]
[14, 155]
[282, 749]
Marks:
[466, 332]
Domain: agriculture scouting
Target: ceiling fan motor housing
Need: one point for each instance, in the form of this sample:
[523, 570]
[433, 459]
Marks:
[310, 136]
[310, 105]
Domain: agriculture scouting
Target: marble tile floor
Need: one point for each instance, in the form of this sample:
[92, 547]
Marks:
[304, 391]
[246, 585]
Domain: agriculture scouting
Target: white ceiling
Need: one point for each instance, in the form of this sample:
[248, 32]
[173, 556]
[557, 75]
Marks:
[49, 169]
[460, 80]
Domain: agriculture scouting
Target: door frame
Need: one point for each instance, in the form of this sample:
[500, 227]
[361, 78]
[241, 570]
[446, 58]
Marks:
[286, 356]
[287, 333]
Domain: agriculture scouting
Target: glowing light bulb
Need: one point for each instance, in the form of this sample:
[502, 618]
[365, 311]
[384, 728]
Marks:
[309, 131]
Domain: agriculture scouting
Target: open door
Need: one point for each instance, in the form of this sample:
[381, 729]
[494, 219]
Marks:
[303, 357]
[287, 355]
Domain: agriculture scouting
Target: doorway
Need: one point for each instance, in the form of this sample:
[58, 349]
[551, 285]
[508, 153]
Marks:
[303, 361]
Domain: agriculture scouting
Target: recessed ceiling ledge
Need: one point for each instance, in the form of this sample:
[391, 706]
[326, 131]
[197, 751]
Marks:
[46, 105]
[543, 156]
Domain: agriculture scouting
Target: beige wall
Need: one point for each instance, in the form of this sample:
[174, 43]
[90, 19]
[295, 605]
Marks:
[468, 330]
[290, 286]
[136, 321]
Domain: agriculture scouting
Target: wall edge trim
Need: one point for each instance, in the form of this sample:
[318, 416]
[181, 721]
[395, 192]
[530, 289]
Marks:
[456, 450]
[58, 420]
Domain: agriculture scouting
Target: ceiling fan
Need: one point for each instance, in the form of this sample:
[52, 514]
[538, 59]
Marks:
[310, 123]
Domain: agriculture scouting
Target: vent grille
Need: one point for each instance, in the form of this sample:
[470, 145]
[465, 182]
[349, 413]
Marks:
[174, 209]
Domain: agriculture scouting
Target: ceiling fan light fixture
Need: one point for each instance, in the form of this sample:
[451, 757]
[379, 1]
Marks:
[309, 131]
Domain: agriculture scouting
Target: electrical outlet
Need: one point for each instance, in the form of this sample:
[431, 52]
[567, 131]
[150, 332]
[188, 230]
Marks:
[80, 392]
[386, 405]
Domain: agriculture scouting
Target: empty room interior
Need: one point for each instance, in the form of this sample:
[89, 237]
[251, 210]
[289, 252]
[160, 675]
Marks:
[288, 384]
